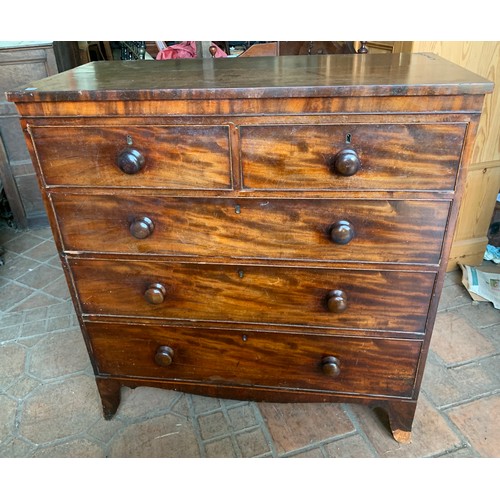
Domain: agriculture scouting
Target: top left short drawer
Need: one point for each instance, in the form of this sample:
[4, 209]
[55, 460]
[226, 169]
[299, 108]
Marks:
[167, 157]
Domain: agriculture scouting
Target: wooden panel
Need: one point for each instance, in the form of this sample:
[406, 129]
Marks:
[18, 66]
[375, 299]
[481, 190]
[175, 157]
[482, 58]
[21, 65]
[261, 108]
[384, 231]
[257, 359]
[483, 182]
[392, 156]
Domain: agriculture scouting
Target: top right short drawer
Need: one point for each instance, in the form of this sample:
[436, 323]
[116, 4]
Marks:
[396, 156]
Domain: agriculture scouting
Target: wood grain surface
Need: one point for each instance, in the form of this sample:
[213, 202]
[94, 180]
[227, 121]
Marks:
[384, 300]
[258, 77]
[392, 156]
[257, 359]
[399, 231]
[175, 157]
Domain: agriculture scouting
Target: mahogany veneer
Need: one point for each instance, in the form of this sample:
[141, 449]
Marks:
[270, 228]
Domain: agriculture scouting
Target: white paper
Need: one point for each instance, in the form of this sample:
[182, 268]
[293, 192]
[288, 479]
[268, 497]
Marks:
[484, 284]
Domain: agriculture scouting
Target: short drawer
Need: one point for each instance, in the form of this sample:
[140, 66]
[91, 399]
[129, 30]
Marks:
[168, 157]
[371, 300]
[352, 157]
[401, 231]
[369, 366]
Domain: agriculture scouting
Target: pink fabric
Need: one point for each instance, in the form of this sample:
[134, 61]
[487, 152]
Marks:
[184, 50]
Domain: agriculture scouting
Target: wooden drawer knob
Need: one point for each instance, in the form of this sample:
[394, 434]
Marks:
[346, 162]
[155, 294]
[130, 161]
[141, 227]
[336, 301]
[342, 232]
[330, 365]
[164, 355]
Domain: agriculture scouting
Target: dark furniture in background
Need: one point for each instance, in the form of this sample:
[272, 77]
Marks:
[21, 63]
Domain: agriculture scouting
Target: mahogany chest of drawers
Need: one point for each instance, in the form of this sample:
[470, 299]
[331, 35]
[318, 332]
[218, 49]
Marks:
[271, 228]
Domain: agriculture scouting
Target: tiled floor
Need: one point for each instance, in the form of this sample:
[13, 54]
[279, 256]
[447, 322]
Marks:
[49, 405]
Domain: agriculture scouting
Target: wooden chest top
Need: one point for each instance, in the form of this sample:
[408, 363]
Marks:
[260, 77]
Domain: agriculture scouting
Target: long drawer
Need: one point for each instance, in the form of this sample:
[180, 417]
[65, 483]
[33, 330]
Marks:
[352, 157]
[340, 364]
[305, 230]
[168, 157]
[375, 300]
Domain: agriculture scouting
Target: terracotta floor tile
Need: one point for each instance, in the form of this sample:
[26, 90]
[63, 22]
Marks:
[456, 341]
[12, 363]
[8, 409]
[37, 299]
[43, 232]
[25, 241]
[314, 453]
[59, 354]
[58, 288]
[253, 443]
[142, 401]
[79, 448]
[479, 422]
[221, 448]
[9, 333]
[348, 447]
[452, 278]
[11, 318]
[492, 333]
[294, 426]
[449, 385]
[213, 424]
[242, 417]
[182, 406]
[480, 314]
[166, 436]
[42, 252]
[16, 448]
[13, 293]
[454, 295]
[40, 277]
[60, 409]
[23, 387]
[16, 266]
[104, 430]
[203, 404]
[465, 452]
[430, 433]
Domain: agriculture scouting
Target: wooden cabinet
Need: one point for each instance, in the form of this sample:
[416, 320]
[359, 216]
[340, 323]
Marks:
[20, 63]
[272, 229]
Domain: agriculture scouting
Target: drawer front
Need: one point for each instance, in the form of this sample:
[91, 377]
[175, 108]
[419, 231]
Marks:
[368, 366]
[385, 300]
[184, 157]
[390, 156]
[304, 230]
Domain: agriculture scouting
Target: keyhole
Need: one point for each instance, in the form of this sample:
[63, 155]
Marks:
[348, 138]
[129, 140]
